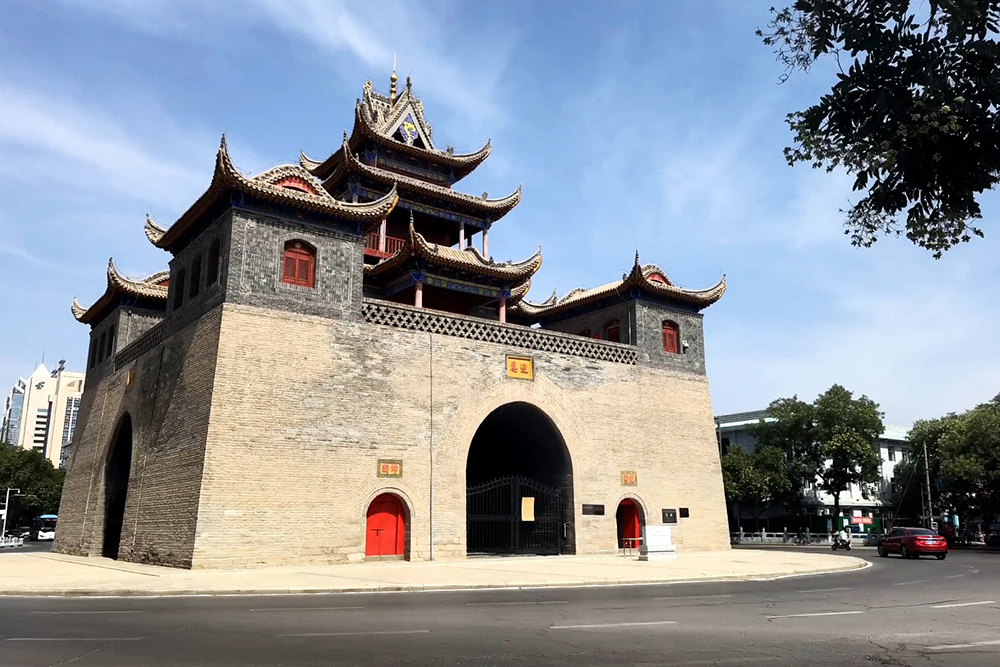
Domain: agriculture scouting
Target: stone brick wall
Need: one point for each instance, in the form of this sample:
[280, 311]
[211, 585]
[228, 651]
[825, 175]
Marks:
[255, 270]
[649, 327]
[596, 322]
[168, 393]
[304, 407]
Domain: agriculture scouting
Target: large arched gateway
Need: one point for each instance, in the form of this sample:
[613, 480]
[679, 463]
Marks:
[116, 474]
[519, 485]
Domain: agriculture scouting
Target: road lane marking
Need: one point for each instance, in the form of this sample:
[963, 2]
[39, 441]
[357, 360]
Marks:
[609, 625]
[73, 639]
[962, 604]
[56, 613]
[826, 590]
[954, 576]
[484, 604]
[695, 597]
[824, 613]
[355, 634]
[943, 647]
[910, 583]
[303, 608]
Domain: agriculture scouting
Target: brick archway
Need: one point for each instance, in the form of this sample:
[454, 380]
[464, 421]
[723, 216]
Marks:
[386, 527]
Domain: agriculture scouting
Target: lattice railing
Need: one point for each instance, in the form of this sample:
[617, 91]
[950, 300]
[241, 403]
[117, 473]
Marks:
[139, 346]
[419, 319]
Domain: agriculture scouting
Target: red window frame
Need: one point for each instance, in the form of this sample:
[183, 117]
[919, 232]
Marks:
[613, 331]
[671, 338]
[299, 264]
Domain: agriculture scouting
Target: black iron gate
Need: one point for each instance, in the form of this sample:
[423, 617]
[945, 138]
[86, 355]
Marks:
[494, 517]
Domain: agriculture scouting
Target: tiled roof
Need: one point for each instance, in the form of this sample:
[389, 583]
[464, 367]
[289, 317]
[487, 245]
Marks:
[739, 417]
[469, 259]
[153, 231]
[649, 277]
[149, 287]
[227, 177]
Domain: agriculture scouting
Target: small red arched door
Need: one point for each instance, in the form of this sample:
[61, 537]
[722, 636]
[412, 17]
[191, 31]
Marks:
[385, 533]
[629, 524]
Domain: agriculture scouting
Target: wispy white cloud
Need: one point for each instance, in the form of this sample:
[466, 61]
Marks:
[50, 137]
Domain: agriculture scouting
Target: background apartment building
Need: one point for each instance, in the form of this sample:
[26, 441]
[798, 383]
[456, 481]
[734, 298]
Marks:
[40, 412]
[861, 504]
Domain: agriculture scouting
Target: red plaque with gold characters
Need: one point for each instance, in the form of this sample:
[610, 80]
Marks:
[629, 478]
[390, 468]
[520, 368]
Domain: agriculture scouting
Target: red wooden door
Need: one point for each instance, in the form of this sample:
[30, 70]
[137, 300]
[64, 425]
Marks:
[629, 526]
[385, 533]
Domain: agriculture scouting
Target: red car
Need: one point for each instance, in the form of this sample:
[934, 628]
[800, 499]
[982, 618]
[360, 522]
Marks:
[913, 543]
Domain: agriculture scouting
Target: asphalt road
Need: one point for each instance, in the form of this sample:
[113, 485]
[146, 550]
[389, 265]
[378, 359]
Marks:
[923, 612]
[31, 547]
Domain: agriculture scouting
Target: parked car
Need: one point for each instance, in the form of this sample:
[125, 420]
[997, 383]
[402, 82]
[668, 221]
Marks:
[913, 543]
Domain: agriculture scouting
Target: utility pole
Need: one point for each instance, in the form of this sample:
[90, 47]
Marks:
[6, 511]
[927, 480]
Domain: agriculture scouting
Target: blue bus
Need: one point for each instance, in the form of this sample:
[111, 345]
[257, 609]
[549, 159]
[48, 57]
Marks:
[44, 528]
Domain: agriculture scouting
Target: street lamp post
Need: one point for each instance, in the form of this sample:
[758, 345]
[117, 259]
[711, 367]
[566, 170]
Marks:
[6, 510]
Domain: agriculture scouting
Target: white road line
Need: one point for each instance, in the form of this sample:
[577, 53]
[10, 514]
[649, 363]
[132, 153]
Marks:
[824, 613]
[910, 583]
[954, 576]
[695, 597]
[609, 625]
[826, 590]
[962, 604]
[943, 647]
[355, 634]
[56, 613]
[73, 639]
[303, 608]
[485, 604]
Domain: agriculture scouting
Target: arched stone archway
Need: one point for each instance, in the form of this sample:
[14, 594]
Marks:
[116, 474]
[519, 485]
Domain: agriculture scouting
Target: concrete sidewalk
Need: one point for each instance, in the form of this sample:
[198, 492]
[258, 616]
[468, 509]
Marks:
[56, 574]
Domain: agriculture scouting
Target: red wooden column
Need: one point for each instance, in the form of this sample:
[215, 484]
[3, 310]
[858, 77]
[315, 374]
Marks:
[381, 236]
[418, 294]
[461, 235]
[503, 309]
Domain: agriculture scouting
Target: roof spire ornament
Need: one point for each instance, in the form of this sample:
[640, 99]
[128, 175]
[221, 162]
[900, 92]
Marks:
[392, 80]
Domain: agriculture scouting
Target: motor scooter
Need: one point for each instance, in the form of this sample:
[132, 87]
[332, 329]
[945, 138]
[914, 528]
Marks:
[839, 543]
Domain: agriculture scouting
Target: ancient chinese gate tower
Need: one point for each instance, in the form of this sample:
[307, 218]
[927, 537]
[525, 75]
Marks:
[334, 368]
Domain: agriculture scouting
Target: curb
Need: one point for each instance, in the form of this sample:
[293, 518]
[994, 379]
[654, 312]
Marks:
[421, 588]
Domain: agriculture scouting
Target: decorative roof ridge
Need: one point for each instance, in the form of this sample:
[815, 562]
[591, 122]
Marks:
[78, 310]
[147, 287]
[274, 174]
[308, 163]
[367, 124]
[153, 231]
[423, 246]
[504, 204]
[227, 175]
[637, 277]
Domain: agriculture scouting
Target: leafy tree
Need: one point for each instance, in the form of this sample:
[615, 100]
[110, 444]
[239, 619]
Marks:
[914, 117]
[40, 483]
[832, 439]
[755, 479]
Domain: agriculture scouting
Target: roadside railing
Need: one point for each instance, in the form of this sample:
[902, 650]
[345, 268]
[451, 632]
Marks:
[11, 542]
[764, 537]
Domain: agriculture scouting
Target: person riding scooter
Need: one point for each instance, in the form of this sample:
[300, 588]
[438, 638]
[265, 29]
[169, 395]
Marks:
[842, 540]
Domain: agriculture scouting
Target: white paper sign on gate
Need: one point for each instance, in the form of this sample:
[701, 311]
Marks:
[527, 509]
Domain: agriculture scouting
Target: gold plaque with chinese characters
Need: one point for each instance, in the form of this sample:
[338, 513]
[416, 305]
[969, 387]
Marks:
[629, 478]
[390, 468]
[520, 368]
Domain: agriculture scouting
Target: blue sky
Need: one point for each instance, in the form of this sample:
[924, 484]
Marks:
[631, 125]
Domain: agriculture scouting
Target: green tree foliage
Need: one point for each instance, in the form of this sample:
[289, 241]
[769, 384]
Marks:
[913, 117]
[40, 483]
[832, 439]
[964, 452]
[755, 479]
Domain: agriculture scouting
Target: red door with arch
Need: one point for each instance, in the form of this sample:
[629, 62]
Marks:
[629, 520]
[385, 531]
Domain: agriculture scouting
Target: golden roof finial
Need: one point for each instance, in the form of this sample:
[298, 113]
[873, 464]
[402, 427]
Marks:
[392, 80]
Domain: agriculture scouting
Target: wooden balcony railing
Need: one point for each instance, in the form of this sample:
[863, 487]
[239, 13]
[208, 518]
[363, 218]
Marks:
[391, 247]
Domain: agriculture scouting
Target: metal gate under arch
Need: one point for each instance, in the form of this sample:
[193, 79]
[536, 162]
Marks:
[493, 518]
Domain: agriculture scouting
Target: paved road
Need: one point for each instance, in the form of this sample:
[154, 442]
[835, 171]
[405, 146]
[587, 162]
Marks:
[924, 612]
[29, 547]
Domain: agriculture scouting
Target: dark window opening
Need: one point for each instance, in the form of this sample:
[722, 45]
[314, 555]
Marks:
[100, 346]
[299, 267]
[213, 263]
[111, 341]
[195, 277]
[585, 333]
[179, 289]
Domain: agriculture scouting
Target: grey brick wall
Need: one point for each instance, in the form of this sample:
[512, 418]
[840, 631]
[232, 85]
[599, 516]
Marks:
[649, 319]
[597, 320]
